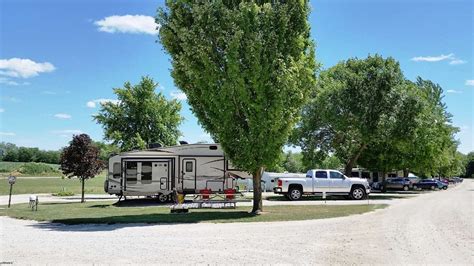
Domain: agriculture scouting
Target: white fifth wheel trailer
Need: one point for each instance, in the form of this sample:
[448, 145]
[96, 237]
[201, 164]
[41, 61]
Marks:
[157, 172]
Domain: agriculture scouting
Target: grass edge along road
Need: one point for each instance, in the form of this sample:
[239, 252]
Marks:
[107, 213]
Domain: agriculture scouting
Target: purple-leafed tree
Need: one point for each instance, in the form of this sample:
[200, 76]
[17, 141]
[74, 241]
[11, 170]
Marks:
[81, 159]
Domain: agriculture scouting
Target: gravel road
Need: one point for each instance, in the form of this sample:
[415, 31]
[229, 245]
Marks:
[433, 228]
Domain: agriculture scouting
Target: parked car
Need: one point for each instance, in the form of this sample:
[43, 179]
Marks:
[376, 185]
[444, 180]
[442, 185]
[398, 183]
[426, 184]
[322, 182]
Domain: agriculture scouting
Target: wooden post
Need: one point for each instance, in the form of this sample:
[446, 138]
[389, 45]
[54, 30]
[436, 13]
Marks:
[10, 197]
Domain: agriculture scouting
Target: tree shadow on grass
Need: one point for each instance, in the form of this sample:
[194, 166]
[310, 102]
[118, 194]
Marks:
[342, 198]
[140, 203]
[111, 223]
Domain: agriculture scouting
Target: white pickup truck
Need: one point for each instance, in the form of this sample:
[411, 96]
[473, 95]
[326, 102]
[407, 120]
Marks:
[322, 182]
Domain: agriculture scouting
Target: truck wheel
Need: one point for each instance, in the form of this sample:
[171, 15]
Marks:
[162, 198]
[295, 194]
[432, 187]
[415, 187]
[405, 188]
[358, 193]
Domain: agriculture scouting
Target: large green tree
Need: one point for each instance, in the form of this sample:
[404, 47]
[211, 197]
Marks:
[469, 164]
[140, 117]
[354, 105]
[246, 68]
[426, 144]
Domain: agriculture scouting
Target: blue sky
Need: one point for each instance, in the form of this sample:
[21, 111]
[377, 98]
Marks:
[60, 59]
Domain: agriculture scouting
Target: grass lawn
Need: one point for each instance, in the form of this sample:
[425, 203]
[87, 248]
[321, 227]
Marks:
[107, 212]
[52, 185]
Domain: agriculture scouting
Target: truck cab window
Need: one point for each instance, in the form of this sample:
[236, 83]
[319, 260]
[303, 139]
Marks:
[335, 175]
[321, 174]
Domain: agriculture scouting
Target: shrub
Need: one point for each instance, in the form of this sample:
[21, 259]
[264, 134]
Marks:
[63, 193]
[38, 169]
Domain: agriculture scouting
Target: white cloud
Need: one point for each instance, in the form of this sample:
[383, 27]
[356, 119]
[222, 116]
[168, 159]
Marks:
[433, 58]
[179, 95]
[2, 110]
[138, 24]
[67, 132]
[93, 103]
[8, 81]
[453, 91]
[457, 62]
[23, 68]
[10, 99]
[470, 82]
[63, 116]
[7, 134]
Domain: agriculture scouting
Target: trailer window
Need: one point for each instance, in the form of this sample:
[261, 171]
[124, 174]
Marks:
[146, 172]
[189, 166]
[117, 173]
[131, 171]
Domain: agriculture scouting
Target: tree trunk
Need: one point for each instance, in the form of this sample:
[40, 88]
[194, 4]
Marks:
[348, 168]
[82, 197]
[257, 191]
[405, 172]
[353, 160]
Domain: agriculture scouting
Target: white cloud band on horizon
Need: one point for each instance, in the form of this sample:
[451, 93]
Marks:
[433, 58]
[178, 95]
[453, 91]
[449, 57]
[93, 103]
[136, 24]
[66, 133]
[23, 68]
[7, 134]
[457, 62]
[8, 81]
[63, 116]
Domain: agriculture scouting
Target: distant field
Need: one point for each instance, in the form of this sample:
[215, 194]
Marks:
[53, 185]
[29, 169]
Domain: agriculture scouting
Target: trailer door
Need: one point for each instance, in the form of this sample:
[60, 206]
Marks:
[161, 174]
[188, 174]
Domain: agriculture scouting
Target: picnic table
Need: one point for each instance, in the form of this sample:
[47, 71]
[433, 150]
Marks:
[210, 200]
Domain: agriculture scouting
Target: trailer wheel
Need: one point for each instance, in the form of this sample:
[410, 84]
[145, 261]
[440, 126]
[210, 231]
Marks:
[162, 198]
